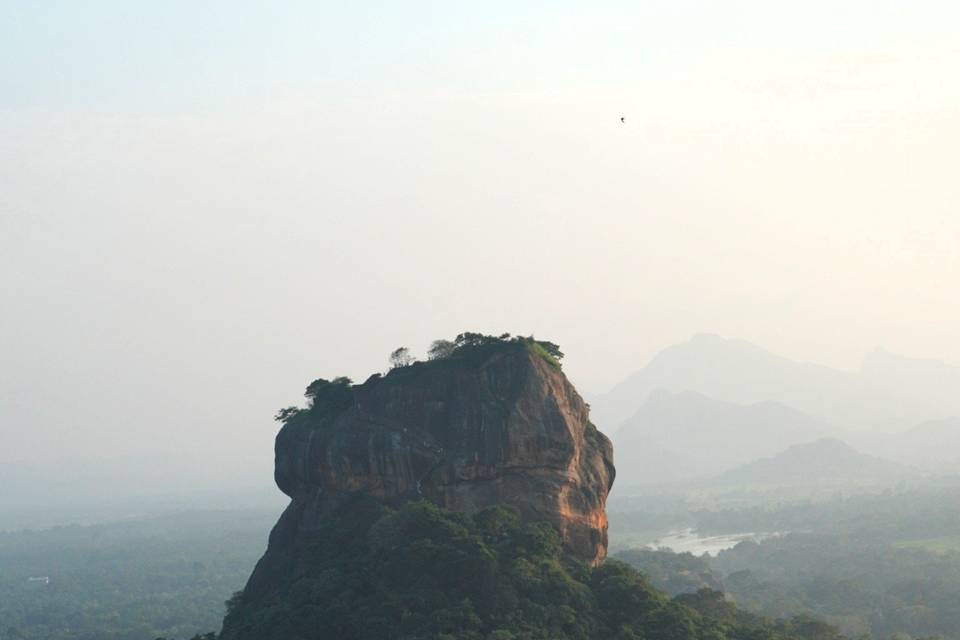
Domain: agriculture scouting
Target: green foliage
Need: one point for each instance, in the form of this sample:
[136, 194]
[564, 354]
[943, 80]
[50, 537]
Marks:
[418, 572]
[329, 395]
[495, 523]
[321, 388]
[287, 413]
[861, 586]
[546, 350]
[878, 563]
[163, 577]
[400, 358]
[421, 573]
[326, 398]
[674, 573]
[478, 346]
[440, 349]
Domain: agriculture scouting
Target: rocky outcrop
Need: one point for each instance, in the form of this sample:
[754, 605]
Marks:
[501, 427]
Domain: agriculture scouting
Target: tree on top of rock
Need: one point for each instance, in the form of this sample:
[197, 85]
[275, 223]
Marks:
[400, 358]
[441, 349]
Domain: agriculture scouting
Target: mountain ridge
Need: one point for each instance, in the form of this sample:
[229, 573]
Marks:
[682, 436]
[823, 461]
[887, 393]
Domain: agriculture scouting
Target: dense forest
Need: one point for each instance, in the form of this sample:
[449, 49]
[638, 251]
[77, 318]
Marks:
[423, 573]
[877, 564]
[887, 565]
[878, 590]
[165, 576]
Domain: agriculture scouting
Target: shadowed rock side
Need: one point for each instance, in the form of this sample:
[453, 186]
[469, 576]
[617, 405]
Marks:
[465, 433]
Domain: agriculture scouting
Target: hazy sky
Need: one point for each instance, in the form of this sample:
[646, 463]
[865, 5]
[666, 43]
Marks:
[205, 205]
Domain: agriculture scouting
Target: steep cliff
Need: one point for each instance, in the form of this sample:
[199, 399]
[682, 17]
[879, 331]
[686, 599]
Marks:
[496, 425]
[457, 498]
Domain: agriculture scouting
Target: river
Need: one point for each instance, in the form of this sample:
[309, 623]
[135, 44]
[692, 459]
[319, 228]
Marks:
[688, 540]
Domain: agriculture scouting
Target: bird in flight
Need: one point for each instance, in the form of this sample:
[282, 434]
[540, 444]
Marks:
[622, 119]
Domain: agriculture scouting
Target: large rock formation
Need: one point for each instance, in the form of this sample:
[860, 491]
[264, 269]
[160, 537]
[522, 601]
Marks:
[499, 425]
[495, 435]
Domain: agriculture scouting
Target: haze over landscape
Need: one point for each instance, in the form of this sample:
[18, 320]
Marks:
[203, 206]
[722, 235]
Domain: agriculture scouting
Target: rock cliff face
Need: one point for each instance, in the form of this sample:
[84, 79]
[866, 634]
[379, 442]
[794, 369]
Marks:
[464, 433]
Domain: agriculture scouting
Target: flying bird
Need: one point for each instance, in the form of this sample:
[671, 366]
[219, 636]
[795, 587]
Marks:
[622, 119]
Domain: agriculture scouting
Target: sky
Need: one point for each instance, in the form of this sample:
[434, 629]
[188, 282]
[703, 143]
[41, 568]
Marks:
[206, 205]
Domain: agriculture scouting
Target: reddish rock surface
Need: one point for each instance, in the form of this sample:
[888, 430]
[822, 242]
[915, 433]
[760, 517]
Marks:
[506, 428]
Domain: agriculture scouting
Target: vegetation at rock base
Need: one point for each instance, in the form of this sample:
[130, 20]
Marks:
[673, 573]
[421, 573]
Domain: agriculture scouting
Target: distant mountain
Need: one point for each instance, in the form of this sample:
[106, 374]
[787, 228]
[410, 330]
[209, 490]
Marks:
[642, 461]
[888, 393]
[825, 461]
[925, 382]
[933, 445]
[684, 436]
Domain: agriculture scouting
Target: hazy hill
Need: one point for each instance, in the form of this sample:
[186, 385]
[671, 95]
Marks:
[67, 482]
[825, 461]
[643, 461]
[888, 392]
[933, 445]
[924, 382]
[684, 436]
[91, 490]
